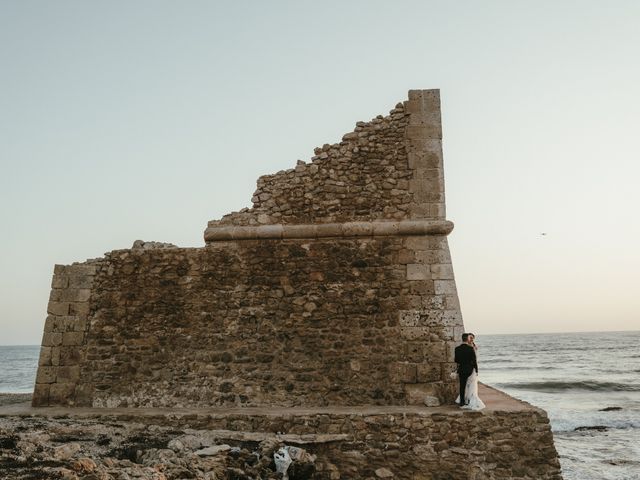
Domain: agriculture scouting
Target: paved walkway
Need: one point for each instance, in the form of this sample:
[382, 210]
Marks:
[494, 399]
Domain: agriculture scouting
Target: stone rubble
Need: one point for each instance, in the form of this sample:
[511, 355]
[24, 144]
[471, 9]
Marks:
[59, 448]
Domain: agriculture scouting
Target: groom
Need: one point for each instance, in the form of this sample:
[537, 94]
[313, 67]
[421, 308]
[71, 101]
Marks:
[465, 357]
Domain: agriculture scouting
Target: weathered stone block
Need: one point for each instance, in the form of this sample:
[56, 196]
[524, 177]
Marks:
[413, 352]
[414, 333]
[68, 374]
[434, 302]
[45, 356]
[72, 338]
[69, 355]
[79, 324]
[452, 302]
[434, 175]
[425, 287]
[46, 374]
[80, 281]
[83, 395]
[55, 356]
[457, 332]
[442, 271]
[406, 256]
[78, 270]
[409, 318]
[80, 309]
[402, 372]
[445, 287]
[51, 339]
[62, 394]
[417, 392]
[40, 395]
[55, 295]
[432, 257]
[438, 210]
[418, 271]
[435, 352]
[75, 295]
[426, 372]
[49, 323]
[417, 243]
[416, 96]
[58, 308]
[451, 318]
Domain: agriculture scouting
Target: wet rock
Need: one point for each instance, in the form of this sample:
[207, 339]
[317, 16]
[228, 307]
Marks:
[597, 428]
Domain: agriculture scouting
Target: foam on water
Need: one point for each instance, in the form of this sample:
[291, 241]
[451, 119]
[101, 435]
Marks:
[574, 377]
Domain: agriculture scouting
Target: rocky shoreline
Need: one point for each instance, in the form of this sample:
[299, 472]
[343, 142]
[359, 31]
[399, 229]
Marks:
[33, 448]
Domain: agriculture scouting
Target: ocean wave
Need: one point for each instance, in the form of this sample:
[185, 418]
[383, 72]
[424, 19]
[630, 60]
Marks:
[559, 386]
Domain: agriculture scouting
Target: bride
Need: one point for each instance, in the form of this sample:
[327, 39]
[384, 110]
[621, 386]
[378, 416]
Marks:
[471, 398]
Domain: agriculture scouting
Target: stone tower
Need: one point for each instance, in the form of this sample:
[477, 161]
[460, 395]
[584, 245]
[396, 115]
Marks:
[335, 288]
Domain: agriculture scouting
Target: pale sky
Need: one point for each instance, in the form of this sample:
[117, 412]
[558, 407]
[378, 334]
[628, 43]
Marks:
[128, 120]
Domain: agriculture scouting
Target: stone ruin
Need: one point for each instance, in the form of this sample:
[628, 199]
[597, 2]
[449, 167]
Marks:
[334, 291]
[335, 288]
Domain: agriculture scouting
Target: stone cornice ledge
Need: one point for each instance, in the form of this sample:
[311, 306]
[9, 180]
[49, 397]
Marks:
[322, 230]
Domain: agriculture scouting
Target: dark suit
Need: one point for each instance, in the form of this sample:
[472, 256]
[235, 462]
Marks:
[465, 357]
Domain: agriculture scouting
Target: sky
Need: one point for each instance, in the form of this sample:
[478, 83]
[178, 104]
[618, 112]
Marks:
[128, 120]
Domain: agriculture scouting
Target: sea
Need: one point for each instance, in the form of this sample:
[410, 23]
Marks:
[589, 384]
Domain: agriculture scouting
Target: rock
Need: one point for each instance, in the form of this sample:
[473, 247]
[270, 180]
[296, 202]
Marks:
[431, 401]
[215, 450]
[384, 473]
[610, 409]
[302, 464]
[597, 428]
[67, 474]
[155, 456]
[84, 465]
[142, 245]
[66, 451]
[185, 442]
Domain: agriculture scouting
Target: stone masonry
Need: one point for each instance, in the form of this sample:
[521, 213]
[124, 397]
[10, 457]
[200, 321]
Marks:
[335, 288]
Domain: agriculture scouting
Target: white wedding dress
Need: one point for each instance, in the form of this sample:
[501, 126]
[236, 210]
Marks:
[471, 397]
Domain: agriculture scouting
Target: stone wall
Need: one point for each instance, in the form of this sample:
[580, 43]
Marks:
[269, 322]
[65, 333]
[413, 446]
[363, 443]
[388, 168]
[336, 288]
